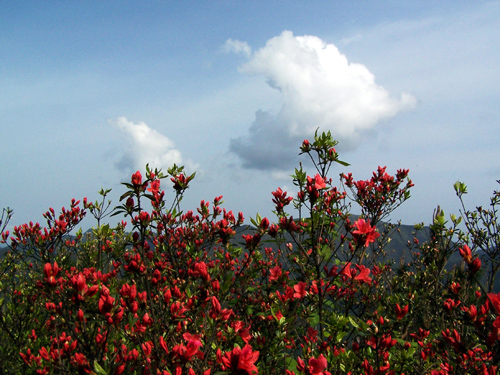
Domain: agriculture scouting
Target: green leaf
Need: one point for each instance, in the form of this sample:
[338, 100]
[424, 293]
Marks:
[345, 164]
[314, 319]
[254, 222]
[126, 195]
[227, 283]
[326, 251]
[98, 369]
[118, 211]
[353, 323]
[104, 192]
[292, 365]
[460, 188]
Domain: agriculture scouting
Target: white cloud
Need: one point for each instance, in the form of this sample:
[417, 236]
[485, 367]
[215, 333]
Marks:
[320, 88]
[238, 47]
[145, 146]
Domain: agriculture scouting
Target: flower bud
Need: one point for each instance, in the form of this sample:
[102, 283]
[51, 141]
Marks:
[130, 202]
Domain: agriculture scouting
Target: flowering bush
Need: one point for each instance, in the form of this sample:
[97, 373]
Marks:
[197, 292]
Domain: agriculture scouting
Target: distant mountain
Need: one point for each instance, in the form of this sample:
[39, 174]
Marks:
[396, 250]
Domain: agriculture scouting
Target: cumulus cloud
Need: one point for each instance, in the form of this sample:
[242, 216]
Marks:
[321, 89]
[145, 146]
[238, 47]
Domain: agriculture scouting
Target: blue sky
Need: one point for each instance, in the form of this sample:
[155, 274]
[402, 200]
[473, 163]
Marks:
[93, 90]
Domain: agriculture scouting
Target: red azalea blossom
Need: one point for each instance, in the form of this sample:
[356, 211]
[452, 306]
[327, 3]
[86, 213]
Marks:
[280, 199]
[154, 187]
[300, 290]
[181, 182]
[51, 272]
[401, 312]
[475, 265]
[241, 360]
[245, 334]
[494, 332]
[317, 182]
[317, 366]
[495, 302]
[163, 344]
[186, 352]
[466, 253]
[360, 273]
[275, 273]
[365, 232]
[314, 184]
[362, 276]
[137, 179]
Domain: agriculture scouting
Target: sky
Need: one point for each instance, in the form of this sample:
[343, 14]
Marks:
[94, 90]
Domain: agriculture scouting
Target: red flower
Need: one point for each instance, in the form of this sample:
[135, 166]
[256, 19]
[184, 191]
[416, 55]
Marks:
[316, 366]
[450, 304]
[365, 232]
[466, 253]
[80, 315]
[181, 182]
[146, 319]
[315, 183]
[475, 265]
[264, 223]
[200, 269]
[216, 308]
[351, 273]
[154, 187]
[280, 199]
[245, 334]
[186, 352]
[495, 302]
[51, 272]
[251, 241]
[106, 303]
[306, 146]
[289, 224]
[241, 360]
[137, 178]
[362, 276]
[300, 290]
[81, 360]
[401, 312]
[120, 369]
[275, 273]
[495, 333]
[163, 344]
[301, 365]
[130, 202]
[455, 287]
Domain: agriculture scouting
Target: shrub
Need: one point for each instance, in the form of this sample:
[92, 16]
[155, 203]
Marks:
[197, 292]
